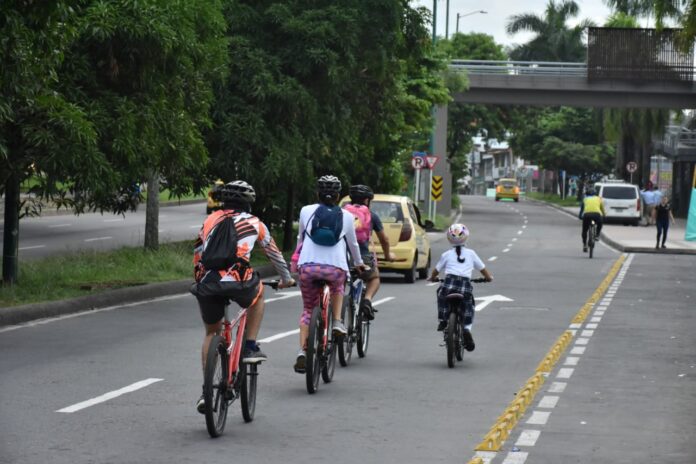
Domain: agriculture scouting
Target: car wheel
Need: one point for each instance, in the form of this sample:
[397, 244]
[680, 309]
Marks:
[516, 200]
[497, 199]
[423, 273]
[411, 275]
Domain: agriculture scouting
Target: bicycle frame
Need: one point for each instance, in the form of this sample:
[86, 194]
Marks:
[234, 350]
[325, 308]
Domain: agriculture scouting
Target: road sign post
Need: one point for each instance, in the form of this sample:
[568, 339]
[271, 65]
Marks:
[418, 162]
[632, 167]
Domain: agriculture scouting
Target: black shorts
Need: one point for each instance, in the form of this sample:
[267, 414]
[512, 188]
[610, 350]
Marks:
[213, 298]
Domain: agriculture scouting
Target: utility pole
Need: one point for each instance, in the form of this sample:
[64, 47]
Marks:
[447, 20]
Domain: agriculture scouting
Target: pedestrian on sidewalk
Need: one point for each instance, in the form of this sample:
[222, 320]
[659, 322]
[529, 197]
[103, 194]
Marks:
[662, 216]
[648, 197]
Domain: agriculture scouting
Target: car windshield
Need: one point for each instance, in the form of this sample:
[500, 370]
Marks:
[619, 193]
[387, 211]
[508, 183]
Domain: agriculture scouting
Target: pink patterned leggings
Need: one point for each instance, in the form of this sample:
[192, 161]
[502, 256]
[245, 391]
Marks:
[310, 273]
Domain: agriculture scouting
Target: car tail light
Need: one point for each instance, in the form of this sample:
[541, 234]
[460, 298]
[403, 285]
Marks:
[406, 231]
[498, 189]
[638, 204]
[517, 190]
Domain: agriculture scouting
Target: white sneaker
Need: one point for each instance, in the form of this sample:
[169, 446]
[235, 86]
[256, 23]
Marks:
[339, 327]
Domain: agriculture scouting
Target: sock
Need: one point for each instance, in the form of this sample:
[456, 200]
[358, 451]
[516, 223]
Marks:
[468, 327]
[251, 345]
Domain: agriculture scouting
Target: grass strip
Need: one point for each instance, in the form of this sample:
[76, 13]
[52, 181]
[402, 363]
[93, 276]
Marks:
[553, 198]
[91, 272]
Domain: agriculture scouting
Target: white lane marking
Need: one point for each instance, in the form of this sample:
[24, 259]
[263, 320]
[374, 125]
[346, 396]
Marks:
[487, 456]
[383, 300]
[515, 457]
[528, 437]
[483, 301]
[557, 387]
[565, 373]
[195, 227]
[432, 283]
[578, 350]
[97, 238]
[509, 245]
[47, 320]
[492, 258]
[115, 220]
[31, 247]
[539, 418]
[549, 401]
[575, 326]
[609, 248]
[591, 326]
[571, 361]
[275, 337]
[582, 341]
[284, 296]
[110, 395]
[587, 333]
[519, 232]
[596, 319]
[506, 250]
[524, 227]
[54, 226]
[514, 239]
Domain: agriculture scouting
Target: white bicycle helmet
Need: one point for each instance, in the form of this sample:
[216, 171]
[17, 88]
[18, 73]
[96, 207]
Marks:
[457, 234]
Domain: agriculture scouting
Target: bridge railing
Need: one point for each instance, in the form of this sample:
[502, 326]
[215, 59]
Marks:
[527, 68]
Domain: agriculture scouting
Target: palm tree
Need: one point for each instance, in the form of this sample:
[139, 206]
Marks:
[555, 40]
[635, 8]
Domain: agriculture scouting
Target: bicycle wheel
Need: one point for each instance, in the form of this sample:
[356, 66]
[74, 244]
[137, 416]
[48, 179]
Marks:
[314, 350]
[215, 386]
[250, 374]
[362, 329]
[591, 240]
[452, 338]
[345, 349]
[329, 364]
[459, 351]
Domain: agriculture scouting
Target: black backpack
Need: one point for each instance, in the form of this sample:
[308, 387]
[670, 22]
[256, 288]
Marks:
[220, 246]
[327, 225]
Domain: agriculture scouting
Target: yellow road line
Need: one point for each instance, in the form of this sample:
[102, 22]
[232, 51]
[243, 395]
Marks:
[507, 421]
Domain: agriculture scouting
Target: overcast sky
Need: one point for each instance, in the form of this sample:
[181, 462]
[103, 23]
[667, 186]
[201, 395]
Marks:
[499, 11]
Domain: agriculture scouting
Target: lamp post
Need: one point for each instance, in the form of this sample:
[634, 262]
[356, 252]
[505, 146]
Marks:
[468, 14]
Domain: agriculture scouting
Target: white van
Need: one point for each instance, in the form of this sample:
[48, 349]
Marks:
[621, 202]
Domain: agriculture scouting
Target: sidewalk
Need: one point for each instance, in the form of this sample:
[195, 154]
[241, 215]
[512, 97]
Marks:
[642, 239]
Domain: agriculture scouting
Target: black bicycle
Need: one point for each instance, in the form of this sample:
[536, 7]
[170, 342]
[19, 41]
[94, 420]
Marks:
[456, 339]
[357, 326]
[592, 237]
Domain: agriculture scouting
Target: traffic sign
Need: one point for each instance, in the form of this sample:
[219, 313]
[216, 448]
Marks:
[418, 162]
[432, 161]
[436, 188]
[632, 167]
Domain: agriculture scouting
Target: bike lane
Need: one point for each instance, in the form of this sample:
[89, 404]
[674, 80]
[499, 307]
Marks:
[624, 390]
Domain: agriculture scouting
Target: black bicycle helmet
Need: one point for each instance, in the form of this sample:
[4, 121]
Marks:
[238, 192]
[360, 192]
[590, 191]
[328, 187]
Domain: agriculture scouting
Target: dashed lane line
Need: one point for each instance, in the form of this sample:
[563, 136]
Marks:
[55, 226]
[34, 247]
[95, 239]
[109, 396]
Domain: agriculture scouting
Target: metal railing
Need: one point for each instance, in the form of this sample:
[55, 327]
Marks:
[515, 68]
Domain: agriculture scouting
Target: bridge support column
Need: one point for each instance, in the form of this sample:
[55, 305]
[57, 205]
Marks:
[442, 168]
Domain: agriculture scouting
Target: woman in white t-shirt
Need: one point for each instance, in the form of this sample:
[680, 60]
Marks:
[322, 256]
[457, 264]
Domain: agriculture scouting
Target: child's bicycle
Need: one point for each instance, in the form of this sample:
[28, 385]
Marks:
[226, 378]
[454, 333]
[357, 326]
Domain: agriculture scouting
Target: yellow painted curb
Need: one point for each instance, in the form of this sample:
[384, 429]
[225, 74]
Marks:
[497, 434]
[476, 460]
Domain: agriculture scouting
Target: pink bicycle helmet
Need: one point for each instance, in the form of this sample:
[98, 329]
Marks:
[457, 234]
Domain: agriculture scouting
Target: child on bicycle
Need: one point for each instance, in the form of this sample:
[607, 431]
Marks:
[325, 230]
[457, 265]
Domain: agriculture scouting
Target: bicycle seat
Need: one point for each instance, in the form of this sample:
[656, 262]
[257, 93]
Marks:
[455, 296]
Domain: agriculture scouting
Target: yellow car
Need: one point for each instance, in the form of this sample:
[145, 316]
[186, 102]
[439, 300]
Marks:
[507, 188]
[213, 203]
[407, 238]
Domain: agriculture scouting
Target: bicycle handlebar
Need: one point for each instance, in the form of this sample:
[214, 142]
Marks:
[274, 284]
[479, 280]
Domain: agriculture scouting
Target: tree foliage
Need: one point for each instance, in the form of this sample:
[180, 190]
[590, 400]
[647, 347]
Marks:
[554, 39]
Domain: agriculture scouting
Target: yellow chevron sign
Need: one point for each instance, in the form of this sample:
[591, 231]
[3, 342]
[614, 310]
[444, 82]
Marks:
[436, 188]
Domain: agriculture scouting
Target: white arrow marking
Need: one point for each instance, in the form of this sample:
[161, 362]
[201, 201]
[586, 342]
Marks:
[483, 301]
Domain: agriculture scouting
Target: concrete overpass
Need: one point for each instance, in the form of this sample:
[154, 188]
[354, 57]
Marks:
[550, 84]
[567, 84]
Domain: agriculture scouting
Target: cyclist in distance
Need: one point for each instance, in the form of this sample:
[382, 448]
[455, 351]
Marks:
[591, 208]
[365, 222]
[325, 230]
[239, 283]
[457, 264]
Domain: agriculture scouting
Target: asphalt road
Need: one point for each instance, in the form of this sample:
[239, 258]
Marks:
[628, 396]
[51, 235]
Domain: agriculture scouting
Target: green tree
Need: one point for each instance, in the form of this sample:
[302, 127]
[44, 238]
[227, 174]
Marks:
[41, 132]
[554, 39]
[684, 11]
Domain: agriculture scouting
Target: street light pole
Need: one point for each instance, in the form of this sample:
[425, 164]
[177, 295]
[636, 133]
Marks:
[468, 14]
[447, 20]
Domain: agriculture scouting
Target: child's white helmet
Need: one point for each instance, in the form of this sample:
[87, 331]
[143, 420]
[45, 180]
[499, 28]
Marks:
[457, 234]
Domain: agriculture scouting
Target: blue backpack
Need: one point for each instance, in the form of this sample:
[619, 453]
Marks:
[327, 225]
